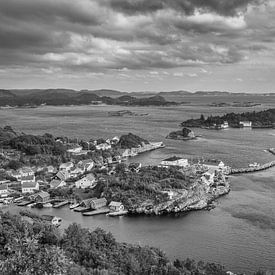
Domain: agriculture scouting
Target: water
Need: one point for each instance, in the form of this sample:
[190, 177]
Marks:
[239, 232]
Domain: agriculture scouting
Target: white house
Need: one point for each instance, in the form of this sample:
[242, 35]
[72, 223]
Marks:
[26, 171]
[4, 190]
[27, 179]
[30, 187]
[66, 166]
[225, 125]
[55, 183]
[63, 175]
[87, 181]
[103, 146]
[116, 206]
[214, 164]
[175, 161]
[246, 123]
[86, 165]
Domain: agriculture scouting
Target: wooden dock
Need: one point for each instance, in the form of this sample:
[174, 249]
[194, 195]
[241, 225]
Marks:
[60, 204]
[99, 211]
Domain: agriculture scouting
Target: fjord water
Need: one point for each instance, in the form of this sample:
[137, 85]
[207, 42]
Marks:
[239, 232]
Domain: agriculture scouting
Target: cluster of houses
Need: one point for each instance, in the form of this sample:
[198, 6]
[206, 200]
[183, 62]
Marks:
[225, 125]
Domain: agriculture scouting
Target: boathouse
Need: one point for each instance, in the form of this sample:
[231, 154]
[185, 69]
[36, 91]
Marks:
[98, 203]
[116, 206]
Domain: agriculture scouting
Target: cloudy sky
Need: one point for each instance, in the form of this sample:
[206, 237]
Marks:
[138, 45]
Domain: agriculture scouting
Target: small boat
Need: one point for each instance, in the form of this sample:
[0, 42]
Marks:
[73, 206]
[47, 205]
[117, 213]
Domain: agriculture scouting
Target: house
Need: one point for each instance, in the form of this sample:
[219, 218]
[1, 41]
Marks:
[4, 190]
[30, 187]
[26, 179]
[213, 164]
[103, 146]
[16, 175]
[98, 203]
[115, 140]
[76, 172]
[86, 165]
[174, 161]
[225, 125]
[42, 197]
[87, 181]
[26, 171]
[75, 149]
[116, 206]
[87, 203]
[63, 175]
[51, 169]
[246, 124]
[55, 183]
[66, 166]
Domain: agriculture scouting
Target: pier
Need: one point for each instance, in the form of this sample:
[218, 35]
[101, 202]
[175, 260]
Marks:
[252, 169]
[60, 204]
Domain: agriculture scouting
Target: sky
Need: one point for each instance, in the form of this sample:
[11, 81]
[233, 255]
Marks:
[138, 45]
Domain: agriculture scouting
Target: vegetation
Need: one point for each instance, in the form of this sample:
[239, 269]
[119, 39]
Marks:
[262, 119]
[38, 248]
[131, 141]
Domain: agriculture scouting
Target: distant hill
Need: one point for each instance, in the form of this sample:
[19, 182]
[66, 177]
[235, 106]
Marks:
[104, 92]
[6, 94]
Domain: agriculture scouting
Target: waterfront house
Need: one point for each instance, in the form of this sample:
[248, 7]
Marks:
[116, 206]
[4, 190]
[30, 187]
[213, 164]
[56, 183]
[98, 203]
[87, 181]
[87, 203]
[66, 166]
[225, 125]
[246, 124]
[174, 161]
[42, 197]
[27, 179]
[63, 175]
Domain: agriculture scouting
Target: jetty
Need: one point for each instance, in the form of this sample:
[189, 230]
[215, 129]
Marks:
[60, 204]
[99, 211]
[117, 213]
[253, 169]
[25, 203]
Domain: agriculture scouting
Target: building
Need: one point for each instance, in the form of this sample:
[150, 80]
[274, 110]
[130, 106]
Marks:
[246, 124]
[103, 146]
[225, 125]
[98, 203]
[75, 149]
[30, 187]
[175, 161]
[4, 190]
[66, 166]
[63, 175]
[42, 197]
[51, 169]
[86, 165]
[26, 179]
[213, 164]
[87, 181]
[56, 183]
[87, 203]
[16, 175]
[26, 171]
[76, 172]
[116, 206]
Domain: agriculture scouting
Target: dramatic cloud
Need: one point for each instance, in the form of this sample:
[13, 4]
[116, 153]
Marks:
[92, 37]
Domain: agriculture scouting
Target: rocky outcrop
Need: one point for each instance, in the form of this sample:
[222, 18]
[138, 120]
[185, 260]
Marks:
[184, 134]
[198, 197]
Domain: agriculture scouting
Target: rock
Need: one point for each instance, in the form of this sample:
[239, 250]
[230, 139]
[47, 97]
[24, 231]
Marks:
[184, 134]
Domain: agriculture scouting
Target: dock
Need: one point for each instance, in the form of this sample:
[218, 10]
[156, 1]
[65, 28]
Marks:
[99, 211]
[60, 204]
[82, 209]
[117, 213]
[25, 203]
[253, 169]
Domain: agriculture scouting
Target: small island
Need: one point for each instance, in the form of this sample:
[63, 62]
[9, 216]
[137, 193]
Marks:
[121, 113]
[262, 119]
[183, 134]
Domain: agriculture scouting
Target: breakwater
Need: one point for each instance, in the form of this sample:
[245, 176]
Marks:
[253, 169]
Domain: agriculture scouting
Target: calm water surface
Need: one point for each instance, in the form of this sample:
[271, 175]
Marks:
[239, 232]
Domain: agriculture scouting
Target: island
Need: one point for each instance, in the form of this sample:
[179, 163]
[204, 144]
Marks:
[261, 119]
[183, 134]
[121, 113]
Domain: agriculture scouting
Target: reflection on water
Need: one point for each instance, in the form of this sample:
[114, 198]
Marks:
[239, 232]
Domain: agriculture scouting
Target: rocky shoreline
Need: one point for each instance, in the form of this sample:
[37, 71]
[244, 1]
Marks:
[200, 196]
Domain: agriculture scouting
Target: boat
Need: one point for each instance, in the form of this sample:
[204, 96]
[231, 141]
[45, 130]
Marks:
[117, 213]
[99, 211]
[254, 165]
[47, 205]
[73, 206]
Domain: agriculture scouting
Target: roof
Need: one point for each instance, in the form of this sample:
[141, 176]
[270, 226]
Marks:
[28, 178]
[29, 184]
[55, 183]
[62, 174]
[90, 176]
[174, 158]
[26, 170]
[212, 162]
[67, 164]
[103, 200]
[43, 194]
[87, 161]
[4, 186]
[115, 203]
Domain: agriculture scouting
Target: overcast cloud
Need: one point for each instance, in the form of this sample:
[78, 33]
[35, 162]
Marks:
[119, 43]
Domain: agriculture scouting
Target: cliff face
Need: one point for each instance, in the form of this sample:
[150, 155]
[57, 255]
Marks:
[198, 197]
